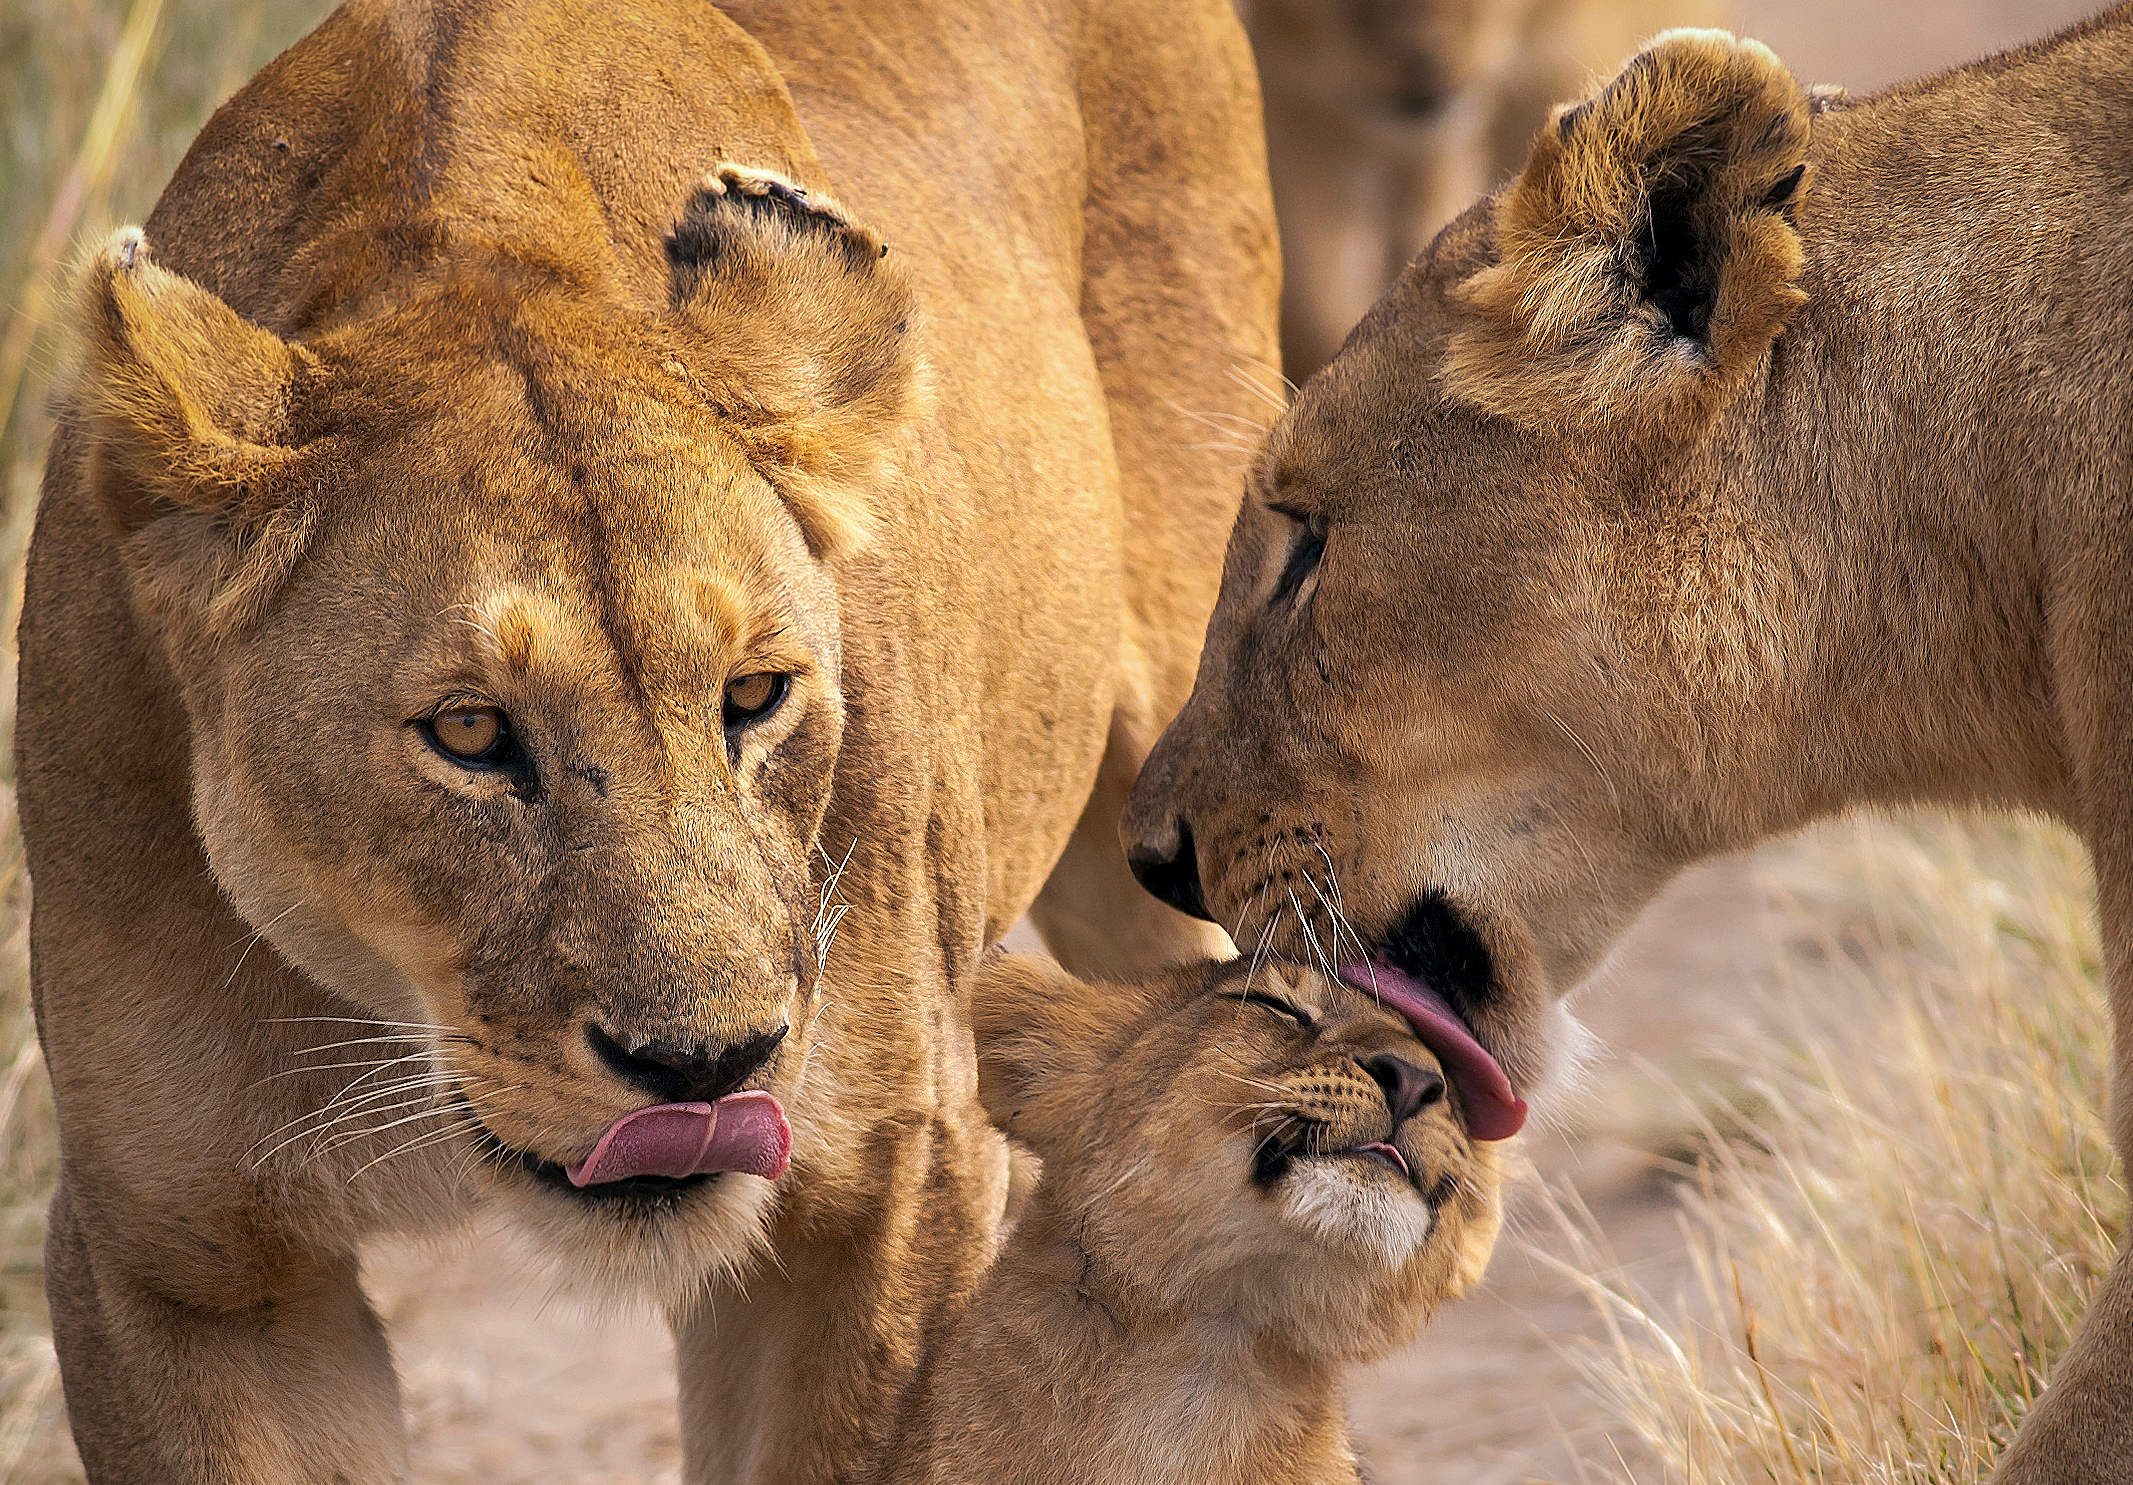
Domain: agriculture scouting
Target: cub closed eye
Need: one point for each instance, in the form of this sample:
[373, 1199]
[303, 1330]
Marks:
[478, 737]
[1304, 553]
[751, 698]
[1275, 1004]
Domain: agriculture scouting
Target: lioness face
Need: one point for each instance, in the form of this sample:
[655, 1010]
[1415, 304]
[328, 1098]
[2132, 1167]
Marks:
[1385, 752]
[1263, 1143]
[1451, 727]
[560, 793]
[514, 718]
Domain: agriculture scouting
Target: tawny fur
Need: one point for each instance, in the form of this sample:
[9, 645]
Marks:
[1157, 1315]
[1606, 588]
[1558, 328]
[1385, 118]
[546, 356]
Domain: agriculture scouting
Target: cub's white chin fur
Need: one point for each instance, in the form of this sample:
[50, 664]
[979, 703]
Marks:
[1353, 1208]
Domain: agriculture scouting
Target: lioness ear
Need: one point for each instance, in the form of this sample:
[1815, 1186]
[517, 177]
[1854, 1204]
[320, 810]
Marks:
[1039, 1030]
[190, 406]
[1646, 253]
[799, 332]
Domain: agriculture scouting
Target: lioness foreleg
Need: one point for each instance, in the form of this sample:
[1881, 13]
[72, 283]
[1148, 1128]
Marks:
[292, 1388]
[795, 1379]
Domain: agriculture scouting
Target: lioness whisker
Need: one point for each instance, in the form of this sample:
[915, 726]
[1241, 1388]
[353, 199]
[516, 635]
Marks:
[436, 1136]
[407, 1147]
[1303, 919]
[321, 1139]
[1260, 1083]
[340, 1109]
[330, 1104]
[370, 1132]
[1258, 389]
[830, 916]
[355, 1021]
[252, 939]
[318, 1067]
[1334, 915]
[363, 1041]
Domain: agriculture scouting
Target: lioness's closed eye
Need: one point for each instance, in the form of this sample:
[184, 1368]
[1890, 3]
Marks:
[1253, 1179]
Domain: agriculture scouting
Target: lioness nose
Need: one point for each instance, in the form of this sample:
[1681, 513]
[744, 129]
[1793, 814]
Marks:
[1174, 878]
[683, 1074]
[1408, 1089]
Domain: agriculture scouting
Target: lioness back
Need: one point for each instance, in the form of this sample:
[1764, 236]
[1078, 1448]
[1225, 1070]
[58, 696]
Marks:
[1755, 454]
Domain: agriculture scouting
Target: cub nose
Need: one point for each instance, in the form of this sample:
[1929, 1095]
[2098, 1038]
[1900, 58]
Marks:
[1408, 1089]
[684, 1074]
[1174, 878]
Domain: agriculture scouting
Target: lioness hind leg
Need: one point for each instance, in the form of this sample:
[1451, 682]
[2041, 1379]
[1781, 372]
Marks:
[2081, 1430]
[1092, 914]
[299, 1391]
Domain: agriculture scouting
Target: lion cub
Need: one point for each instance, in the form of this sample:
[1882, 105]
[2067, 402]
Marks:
[1252, 1182]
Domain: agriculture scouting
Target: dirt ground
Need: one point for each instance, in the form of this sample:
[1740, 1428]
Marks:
[505, 1385]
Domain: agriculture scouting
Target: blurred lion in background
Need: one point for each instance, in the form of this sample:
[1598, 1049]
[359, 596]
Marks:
[1385, 118]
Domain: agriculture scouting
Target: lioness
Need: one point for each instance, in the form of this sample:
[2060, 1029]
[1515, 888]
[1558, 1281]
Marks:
[597, 556]
[1254, 1179]
[1743, 460]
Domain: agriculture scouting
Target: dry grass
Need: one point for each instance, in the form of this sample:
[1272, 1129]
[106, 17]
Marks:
[101, 98]
[1894, 1254]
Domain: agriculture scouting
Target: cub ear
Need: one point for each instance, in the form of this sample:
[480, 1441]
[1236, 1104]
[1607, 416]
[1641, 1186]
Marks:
[192, 407]
[1646, 254]
[1039, 1030]
[797, 331]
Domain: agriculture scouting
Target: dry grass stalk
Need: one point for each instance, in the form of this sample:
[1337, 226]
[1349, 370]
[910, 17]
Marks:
[1893, 1249]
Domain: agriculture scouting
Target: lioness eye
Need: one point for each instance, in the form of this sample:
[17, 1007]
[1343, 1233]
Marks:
[1304, 552]
[751, 698]
[478, 735]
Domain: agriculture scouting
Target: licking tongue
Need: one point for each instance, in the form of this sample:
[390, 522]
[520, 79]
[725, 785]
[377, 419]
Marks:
[740, 1132]
[1493, 1111]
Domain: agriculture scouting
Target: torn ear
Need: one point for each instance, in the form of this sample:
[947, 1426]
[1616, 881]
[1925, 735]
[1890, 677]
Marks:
[190, 410]
[799, 333]
[1646, 255]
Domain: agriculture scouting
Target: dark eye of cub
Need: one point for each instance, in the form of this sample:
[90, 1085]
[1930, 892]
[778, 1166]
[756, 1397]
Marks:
[751, 698]
[1304, 552]
[1275, 1004]
[477, 737]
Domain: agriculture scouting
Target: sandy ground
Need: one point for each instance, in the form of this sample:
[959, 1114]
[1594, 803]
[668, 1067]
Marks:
[506, 1386]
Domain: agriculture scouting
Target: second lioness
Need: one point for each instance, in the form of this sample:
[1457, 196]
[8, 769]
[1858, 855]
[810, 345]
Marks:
[1254, 1179]
[1748, 458]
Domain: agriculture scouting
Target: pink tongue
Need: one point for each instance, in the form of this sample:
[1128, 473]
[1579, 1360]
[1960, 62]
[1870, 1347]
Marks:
[1493, 1111]
[742, 1131]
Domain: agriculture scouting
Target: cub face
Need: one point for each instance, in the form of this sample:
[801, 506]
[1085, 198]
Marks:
[1260, 1143]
